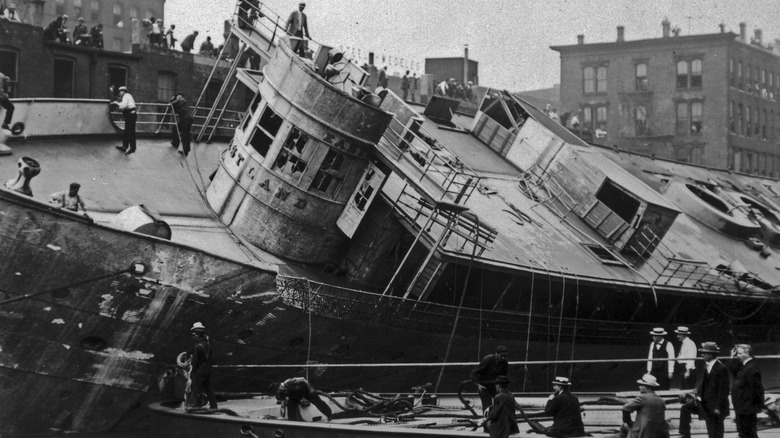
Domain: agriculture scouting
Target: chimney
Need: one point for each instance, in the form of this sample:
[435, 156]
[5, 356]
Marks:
[742, 31]
[666, 28]
[621, 34]
[722, 27]
[580, 39]
[759, 34]
[465, 63]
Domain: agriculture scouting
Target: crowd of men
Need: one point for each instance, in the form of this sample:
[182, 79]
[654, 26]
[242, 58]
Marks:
[454, 89]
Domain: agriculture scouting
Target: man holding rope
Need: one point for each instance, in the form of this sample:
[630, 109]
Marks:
[486, 373]
[292, 391]
[181, 131]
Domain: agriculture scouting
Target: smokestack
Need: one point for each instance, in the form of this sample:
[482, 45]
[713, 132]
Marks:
[580, 39]
[722, 27]
[465, 63]
[742, 31]
[666, 26]
[621, 31]
[759, 34]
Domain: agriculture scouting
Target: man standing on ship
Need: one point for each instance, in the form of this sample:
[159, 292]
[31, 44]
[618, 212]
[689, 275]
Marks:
[486, 373]
[126, 104]
[661, 349]
[200, 362]
[183, 123]
[4, 102]
[686, 358]
[296, 26]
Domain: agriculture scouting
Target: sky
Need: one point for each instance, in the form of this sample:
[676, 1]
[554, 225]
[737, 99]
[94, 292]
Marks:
[510, 39]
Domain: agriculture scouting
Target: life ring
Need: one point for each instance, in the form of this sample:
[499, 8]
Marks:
[183, 359]
[17, 128]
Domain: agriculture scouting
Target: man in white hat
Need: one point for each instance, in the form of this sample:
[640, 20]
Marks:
[650, 411]
[564, 407]
[686, 358]
[126, 104]
[200, 373]
[297, 25]
[660, 349]
[712, 393]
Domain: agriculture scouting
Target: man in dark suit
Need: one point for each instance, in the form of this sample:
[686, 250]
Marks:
[486, 373]
[564, 407]
[501, 420]
[296, 26]
[712, 394]
[747, 392]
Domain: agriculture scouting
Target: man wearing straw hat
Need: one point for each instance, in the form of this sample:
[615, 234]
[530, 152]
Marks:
[200, 361]
[650, 412]
[564, 407]
[685, 358]
[711, 394]
[660, 349]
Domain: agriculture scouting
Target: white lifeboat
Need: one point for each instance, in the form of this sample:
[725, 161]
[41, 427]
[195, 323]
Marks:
[710, 209]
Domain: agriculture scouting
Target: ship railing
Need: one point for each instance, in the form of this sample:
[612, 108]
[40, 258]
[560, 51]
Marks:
[674, 271]
[542, 187]
[465, 226]
[434, 161]
[154, 118]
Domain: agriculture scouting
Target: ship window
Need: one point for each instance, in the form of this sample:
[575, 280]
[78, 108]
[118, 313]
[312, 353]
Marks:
[290, 161]
[252, 107]
[366, 190]
[618, 200]
[8, 67]
[266, 131]
[63, 77]
[328, 177]
[604, 254]
[166, 86]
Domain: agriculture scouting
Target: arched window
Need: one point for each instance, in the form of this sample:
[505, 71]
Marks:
[589, 80]
[118, 15]
[682, 74]
[133, 13]
[696, 117]
[739, 75]
[94, 11]
[77, 9]
[59, 7]
[149, 14]
[696, 73]
[601, 78]
[641, 77]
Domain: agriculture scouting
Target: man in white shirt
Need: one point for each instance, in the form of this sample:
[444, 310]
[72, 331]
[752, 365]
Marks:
[126, 104]
[686, 358]
[10, 14]
[660, 349]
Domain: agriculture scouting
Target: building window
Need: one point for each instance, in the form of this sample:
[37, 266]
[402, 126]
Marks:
[59, 7]
[290, 159]
[94, 10]
[747, 79]
[739, 75]
[732, 79]
[640, 121]
[763, 125]
[732, 119]
[118, 15]
[117, 47]
[63, 77]
[641, 77]
[740, 120]
[133, 13]
[682, 74]
[166, 86]
[149, 14]
[601, 80]
[748, 122]
[763, 77]
[696, 73]
[328, 178]
[265, 133]
[589, 80]
[696, 117]
[756, 127]
[77, 9]
[601, 120]
[117, 76]
[587, 118]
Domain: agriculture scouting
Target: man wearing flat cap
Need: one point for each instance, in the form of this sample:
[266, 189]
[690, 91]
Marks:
[564, 407]
[297, 25]
[501, 420]
[660, 349]
[686, 364]
[486, 373]
[712, 394]
[200, 372]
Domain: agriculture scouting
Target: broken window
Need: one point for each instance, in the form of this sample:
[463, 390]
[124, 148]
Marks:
[265, 132]
[365, 192]
[290, 159]
[248, 116]
[328, 178]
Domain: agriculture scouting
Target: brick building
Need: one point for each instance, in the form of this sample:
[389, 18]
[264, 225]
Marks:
[708, 99]
[39, 68]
